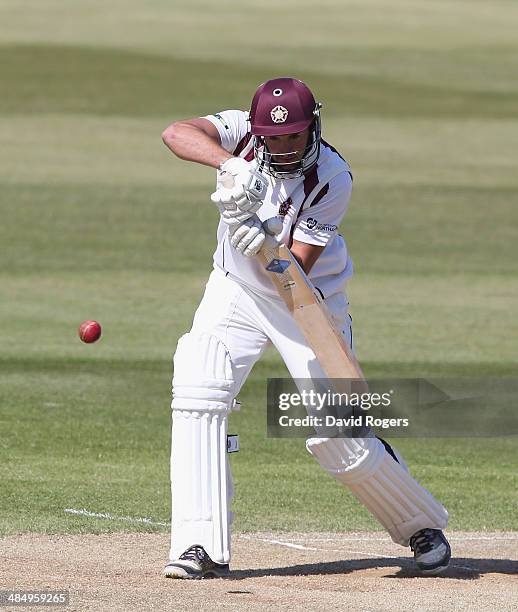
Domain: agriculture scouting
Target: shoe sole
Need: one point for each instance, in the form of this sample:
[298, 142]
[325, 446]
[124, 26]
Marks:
[434, 571]
[181, 574]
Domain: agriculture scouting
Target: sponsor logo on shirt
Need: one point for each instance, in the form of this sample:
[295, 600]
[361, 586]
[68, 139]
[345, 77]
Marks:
[312, 223]
[284, 207]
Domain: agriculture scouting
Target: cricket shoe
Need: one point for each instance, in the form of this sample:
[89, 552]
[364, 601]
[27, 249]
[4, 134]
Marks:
[432, 551]
[195, 563]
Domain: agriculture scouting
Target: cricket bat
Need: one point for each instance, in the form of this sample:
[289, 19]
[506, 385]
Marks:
[308, 309]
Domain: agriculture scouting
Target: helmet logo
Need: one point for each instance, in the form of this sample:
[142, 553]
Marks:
[279, 114]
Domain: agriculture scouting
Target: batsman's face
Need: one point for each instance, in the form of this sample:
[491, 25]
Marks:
[288, 148]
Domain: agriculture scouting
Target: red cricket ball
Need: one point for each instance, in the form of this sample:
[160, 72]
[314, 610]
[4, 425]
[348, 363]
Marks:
[89, 331]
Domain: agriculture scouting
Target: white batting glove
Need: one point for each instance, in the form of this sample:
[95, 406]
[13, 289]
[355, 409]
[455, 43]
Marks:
[239, 185]
[248, 237]
[235, 217]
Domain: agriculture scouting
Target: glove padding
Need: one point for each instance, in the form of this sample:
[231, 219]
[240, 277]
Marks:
[234, 218]
[239, 186]
[247, 237]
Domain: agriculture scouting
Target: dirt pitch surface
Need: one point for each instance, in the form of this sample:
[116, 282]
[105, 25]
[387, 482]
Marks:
[353, 571]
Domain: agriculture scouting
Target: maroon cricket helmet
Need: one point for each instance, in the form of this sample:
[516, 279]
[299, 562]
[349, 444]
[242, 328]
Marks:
[285, 106]
[282, 106]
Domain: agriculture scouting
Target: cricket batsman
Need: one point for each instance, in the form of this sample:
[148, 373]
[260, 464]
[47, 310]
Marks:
[279, 166]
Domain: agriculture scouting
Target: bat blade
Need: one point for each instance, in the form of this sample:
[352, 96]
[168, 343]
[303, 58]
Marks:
[310, 312]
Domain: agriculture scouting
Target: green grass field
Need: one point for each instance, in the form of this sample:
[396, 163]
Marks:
[99, 220]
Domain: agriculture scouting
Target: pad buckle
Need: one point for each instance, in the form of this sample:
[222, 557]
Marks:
[232, 443]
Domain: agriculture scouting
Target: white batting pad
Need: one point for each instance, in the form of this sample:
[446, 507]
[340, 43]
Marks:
[383, 486]
[201, 480]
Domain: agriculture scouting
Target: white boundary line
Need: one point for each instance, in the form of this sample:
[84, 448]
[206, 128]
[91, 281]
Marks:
[112, 517]
[403, 560]
[362, 552]
[301, 547]
[287, 544]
